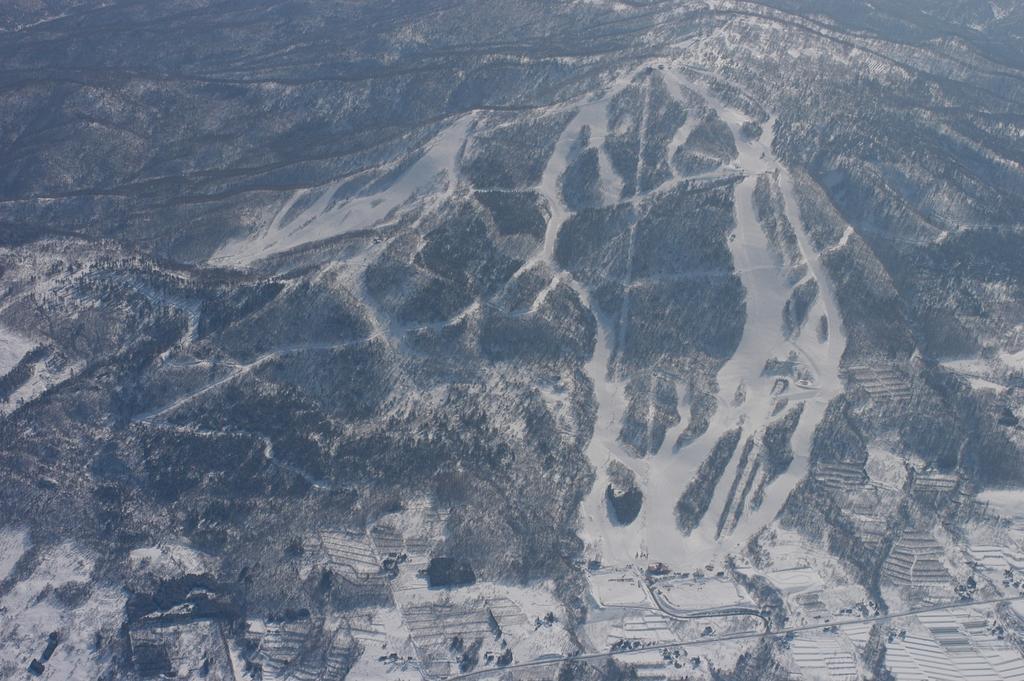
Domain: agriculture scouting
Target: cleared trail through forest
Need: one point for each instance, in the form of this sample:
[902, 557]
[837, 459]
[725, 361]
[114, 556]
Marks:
[655, 535]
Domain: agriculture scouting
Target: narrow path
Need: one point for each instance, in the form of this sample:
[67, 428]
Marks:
[726, 611]
[243, 369]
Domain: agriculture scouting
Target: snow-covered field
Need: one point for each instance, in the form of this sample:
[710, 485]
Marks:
[615, 587]
[885, 468]
[825, 656]
[795, 580]
[381, 633]
[956, 644]
[12, 348]
[31, 614]
[701, 594]
[168, 560]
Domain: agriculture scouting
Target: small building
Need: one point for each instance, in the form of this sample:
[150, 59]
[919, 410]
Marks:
[51, 645]
[658, 569]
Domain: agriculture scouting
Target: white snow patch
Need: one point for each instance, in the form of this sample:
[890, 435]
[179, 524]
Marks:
[30, 615]
[168, 560]
[1013, 360]
[44, 376]
[13, 544]
[885, 468]
[381, 632]
[796, 580]
[12, 348]
[1008, 503]
[619, 588]
[701, 593]
[435, 169]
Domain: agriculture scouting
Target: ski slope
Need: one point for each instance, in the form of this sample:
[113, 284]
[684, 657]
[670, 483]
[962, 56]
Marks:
[434, 171]
[655, 535]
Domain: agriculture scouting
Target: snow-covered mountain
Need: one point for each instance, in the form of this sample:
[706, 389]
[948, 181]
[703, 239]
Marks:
[522, 339]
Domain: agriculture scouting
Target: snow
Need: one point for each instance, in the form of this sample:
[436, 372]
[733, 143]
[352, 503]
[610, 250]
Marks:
[43, 378]
[619, 588]
[984, 384]
[381, 632]
[321, 220]
[614, 6]
[1008, 503]
[168, 560]
[998, 11]
[518, 608]
[654, 535]
[12, 348]
[843, 240]
[1013, 360]
[885, 468]
[796, 580]
[609, 394]
[767, 291]
[31, 614]
[986, 374]
[13, 544]
[824, 656]
[995, 558]
[612, 543]
[701, 594]
[955, 644]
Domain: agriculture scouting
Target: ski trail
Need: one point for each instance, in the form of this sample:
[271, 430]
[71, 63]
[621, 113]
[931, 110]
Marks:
[593, 114]
[438, 164]
[675, 89]
[664, 476]
[244, 369]
[620, 327]
[825, 359]
[608, 394]
[655, 534]
[766, 293]
[610, 542]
